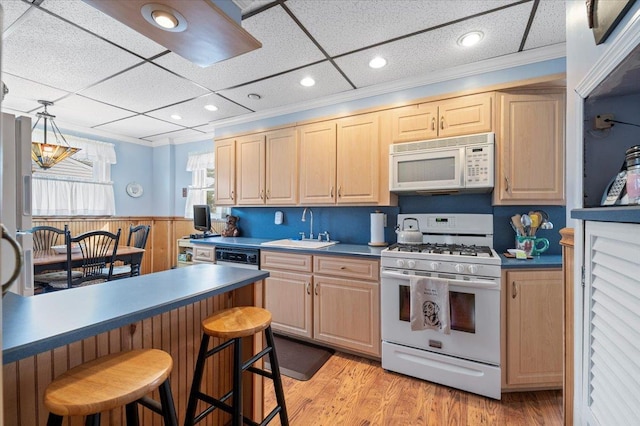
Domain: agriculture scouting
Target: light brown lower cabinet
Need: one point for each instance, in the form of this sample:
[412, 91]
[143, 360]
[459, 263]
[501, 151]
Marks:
[532, 329]
[332, 300]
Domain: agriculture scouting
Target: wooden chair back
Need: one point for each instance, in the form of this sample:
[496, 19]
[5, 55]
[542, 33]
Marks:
[45, 237]
[138, 236]
[98, 250]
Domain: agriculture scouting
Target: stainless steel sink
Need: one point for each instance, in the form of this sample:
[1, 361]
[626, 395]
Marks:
[308, 244]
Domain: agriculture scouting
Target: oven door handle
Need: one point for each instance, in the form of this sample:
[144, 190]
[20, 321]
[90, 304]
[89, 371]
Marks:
[460, 283]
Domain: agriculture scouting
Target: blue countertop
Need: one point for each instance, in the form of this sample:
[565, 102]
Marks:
[625, 214]
[31, 325]
[542, 261]
[336, 249]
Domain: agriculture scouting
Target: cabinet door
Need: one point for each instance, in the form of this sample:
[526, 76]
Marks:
[530, 149]
[414, 123]
[346, 313]
[288, 297]
[250, 169]
[358, 150]
[282, 168]
[318, 163]
[465, 115]
[225, 183]
[534, 328]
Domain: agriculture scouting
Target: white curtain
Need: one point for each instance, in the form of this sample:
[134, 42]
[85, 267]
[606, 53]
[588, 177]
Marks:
[54, 197]
[198, 164]
[67, 190]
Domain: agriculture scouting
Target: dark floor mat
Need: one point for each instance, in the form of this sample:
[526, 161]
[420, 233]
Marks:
[299, 360]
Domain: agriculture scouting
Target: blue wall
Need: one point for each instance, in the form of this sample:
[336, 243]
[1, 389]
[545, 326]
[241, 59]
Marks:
[352, 224]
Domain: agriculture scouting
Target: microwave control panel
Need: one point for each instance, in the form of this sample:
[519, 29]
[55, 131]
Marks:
[479, 166]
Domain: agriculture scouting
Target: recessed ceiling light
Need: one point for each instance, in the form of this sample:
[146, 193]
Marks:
[176, 116]
[210, 107]
[254, 96]
[378, 62]
[307, 82]
[469, 39]
[164, 17]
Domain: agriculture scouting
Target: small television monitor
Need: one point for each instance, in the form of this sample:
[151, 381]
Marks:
[202, 218]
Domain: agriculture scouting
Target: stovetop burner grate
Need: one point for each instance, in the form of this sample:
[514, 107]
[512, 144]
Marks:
[451, 249]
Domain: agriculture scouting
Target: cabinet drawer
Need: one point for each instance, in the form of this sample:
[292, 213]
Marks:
[347, 267]
[285, 260]
[204, 254]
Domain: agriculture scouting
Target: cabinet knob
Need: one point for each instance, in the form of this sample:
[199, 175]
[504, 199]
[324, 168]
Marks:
[331, 192]
[308, 288]
[232, 195]
[340, 191]
[514, 290]
[262, 194]
[506, 178]
[433, 124]
[442, 123]
[315, 290]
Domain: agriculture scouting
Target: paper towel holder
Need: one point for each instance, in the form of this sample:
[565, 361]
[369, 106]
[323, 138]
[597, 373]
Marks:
[378, 243]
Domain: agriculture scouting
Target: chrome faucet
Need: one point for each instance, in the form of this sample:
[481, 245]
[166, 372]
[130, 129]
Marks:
[304, 214]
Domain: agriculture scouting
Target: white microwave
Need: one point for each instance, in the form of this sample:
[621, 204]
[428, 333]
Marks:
[463, 163]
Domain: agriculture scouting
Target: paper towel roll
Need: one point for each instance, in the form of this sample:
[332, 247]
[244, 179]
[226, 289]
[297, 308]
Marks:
[377, 229]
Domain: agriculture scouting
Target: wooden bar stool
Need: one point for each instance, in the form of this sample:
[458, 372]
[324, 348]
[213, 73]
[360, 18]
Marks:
[234, 324]
[112, 381]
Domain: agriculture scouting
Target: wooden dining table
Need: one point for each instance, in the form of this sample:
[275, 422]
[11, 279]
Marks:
[49, 260]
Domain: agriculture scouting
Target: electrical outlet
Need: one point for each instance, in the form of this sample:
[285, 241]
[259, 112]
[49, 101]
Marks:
[184, 192]
[601, 122]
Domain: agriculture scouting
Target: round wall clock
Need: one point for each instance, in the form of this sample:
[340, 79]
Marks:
[134, 189]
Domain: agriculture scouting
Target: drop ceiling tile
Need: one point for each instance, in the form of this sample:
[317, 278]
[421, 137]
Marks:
[286, 88]
[548, 25]
[284, 47]
[45, 49]
[24, 94]
[86, 112]
[193, 112]
[12, 11]
[367, 22]
[185, 133]
[139, 126]
[103, 25]
[144, 88]
[438, 49]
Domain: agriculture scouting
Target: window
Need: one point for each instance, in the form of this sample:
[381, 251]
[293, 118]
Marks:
[77, 186]
[201, 190]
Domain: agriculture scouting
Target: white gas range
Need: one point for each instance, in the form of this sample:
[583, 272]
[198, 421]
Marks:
[458, 248]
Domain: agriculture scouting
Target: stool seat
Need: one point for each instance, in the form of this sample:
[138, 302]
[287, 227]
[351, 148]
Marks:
[108, 382]
[241, 321]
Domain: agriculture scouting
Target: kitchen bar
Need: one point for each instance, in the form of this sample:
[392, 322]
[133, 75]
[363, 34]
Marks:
[161, 310]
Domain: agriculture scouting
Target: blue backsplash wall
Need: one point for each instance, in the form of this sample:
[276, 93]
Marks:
[352, 224]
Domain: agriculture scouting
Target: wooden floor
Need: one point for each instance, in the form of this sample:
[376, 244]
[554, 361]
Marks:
[354, 391]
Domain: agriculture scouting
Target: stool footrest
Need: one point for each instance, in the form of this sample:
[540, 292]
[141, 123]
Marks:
[256, 357]
[263, 373]
[219, 348]
[151, 404]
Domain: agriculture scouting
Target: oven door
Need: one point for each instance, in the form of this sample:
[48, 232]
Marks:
[474, 310]
[428, 170]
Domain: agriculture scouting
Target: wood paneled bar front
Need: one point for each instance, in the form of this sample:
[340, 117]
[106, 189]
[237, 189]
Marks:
[45, 335]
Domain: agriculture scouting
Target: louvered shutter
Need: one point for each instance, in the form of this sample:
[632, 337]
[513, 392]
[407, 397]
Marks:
[611, 363]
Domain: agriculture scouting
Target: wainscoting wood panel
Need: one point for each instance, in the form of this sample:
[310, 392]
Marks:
[176, 332]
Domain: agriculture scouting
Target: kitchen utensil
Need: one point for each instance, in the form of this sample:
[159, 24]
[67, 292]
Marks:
[526, 223]
[546, 225]
[544, 215]
[516, 222]
[408, 234]
[536, 221]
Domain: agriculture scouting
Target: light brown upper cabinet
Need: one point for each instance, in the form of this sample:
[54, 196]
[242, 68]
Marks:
[340, 161]
[449, 117]
[266, 168]
[530, 149]
[225, 182]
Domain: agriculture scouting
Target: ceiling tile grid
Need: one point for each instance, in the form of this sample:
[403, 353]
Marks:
[438, 49]
[286, 88]
[144, 88]
[50, 51]
[104, 26]
[344, 26]
[104, 75]
[548, 25]
[284, 47]
[194, 114]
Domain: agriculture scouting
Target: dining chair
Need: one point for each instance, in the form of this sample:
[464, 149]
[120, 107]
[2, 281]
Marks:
[45, 237]
[137, 238]
[98, 251]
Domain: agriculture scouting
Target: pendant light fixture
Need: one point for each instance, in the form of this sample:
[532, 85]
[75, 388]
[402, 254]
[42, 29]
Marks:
[47, 155]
